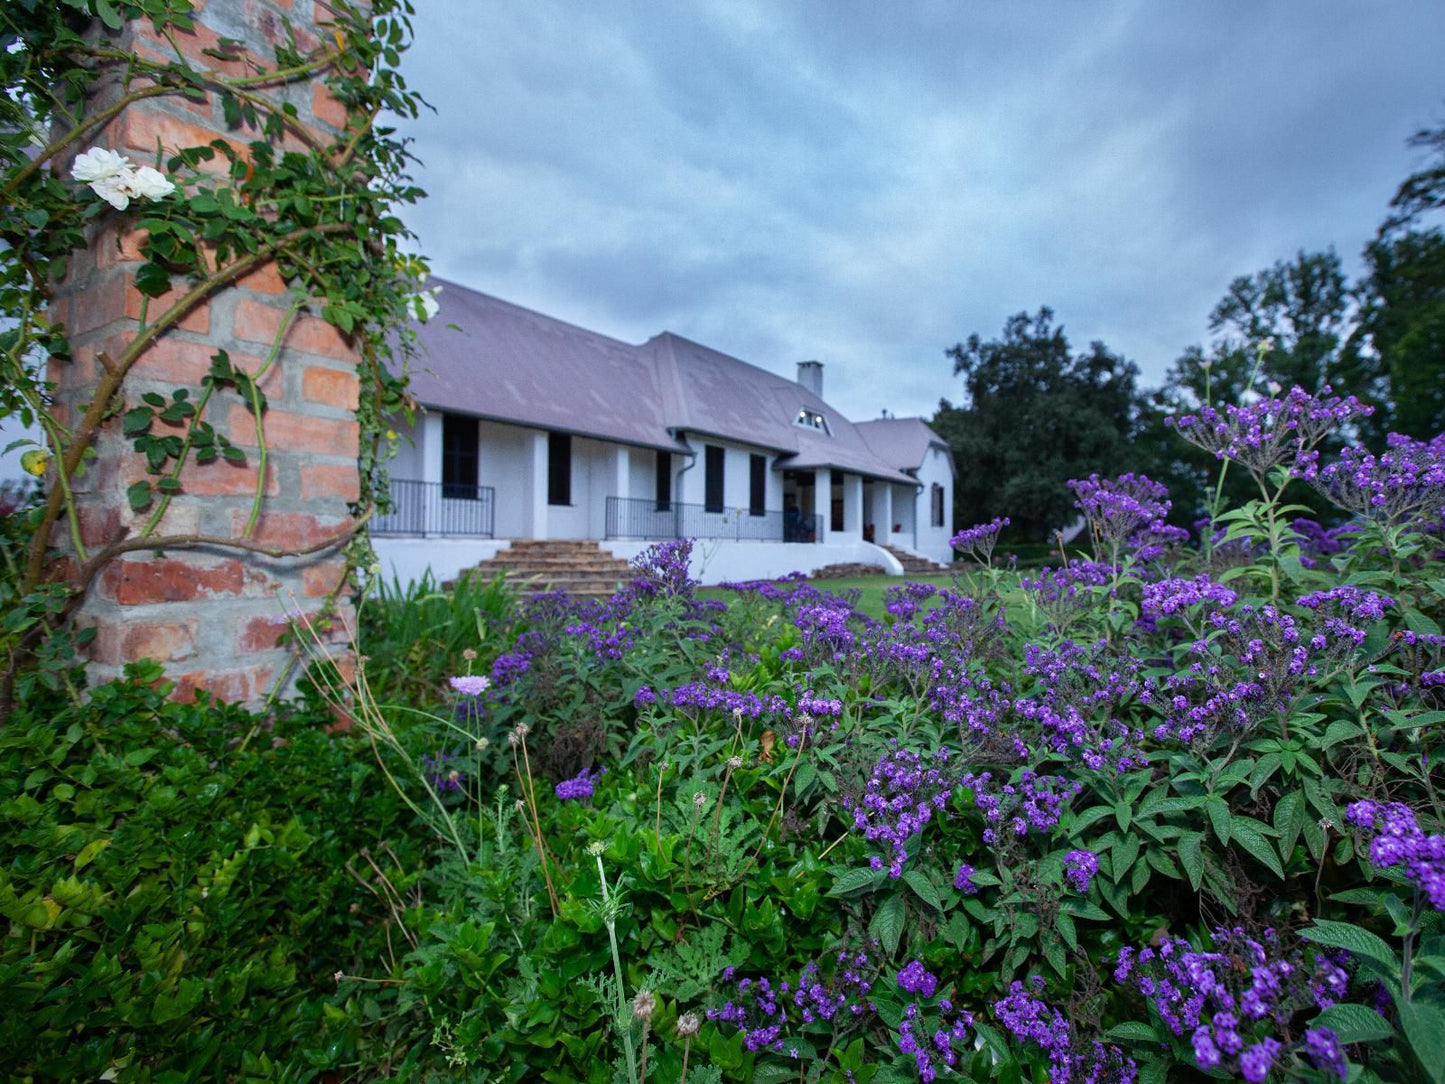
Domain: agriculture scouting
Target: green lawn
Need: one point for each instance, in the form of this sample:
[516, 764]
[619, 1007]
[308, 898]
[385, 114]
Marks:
[873, 587]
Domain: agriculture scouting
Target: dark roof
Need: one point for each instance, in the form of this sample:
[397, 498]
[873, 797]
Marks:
[510, 364]
[902, 442]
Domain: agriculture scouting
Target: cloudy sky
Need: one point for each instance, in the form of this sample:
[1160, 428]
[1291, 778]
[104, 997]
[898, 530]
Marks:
[869, 183]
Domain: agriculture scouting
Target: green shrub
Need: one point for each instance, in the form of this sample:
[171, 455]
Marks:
[176, 881]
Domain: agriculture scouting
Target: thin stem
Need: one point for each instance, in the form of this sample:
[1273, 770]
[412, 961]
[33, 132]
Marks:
[617, 975]
[254, 394]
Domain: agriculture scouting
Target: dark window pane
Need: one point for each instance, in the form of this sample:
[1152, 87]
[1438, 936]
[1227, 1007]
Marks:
[459, 457]
[664, 481]
[559, 468]
[757, 484]
[713, 482]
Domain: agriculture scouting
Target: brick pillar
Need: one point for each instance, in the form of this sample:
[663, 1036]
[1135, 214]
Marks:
[211, 615]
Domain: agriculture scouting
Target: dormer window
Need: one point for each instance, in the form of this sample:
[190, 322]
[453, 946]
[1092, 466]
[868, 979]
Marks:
[811, 419]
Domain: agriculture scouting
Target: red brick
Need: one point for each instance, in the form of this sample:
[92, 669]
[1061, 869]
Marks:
[266, 279]
[330, 387]
[295, 432]
[138, 131]
[231, 686]
[102, 302]
[118, 247]
[259, 323]
[192, 44]
[320, 578]
[197, 318]
[183, 363]
[220, 478]
[326, 108]
[117, 643]
[169, 579]
[286, 530]
[320, 480]
[261, 633]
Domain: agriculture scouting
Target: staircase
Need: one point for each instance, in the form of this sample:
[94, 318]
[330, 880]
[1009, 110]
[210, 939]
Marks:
[579, 567]
[914, 564]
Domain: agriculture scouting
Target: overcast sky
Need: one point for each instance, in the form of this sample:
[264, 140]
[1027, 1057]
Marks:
[868, 183]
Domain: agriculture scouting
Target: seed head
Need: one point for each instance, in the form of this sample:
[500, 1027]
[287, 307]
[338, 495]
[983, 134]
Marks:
[482, 744]
[699, 799]
[469, 655]
[596, 847]
[643, 1004]
[687, 1025]
[734, 763]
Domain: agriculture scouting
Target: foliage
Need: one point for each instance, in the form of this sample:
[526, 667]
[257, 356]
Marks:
[319, 205]
[1035, 415]
[182, 882]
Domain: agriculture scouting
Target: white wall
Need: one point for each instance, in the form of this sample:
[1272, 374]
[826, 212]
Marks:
[720, 561]
[933, 541]
[408, 559]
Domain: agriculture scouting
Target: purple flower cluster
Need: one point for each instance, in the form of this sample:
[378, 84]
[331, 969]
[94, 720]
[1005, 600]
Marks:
[760, 1009]
[1229, 1000]
[903, 792]
[963, 879]
[978, 541]
[470, 684]
[1164, 598]
[1280, 431]
[662, 571]
[580, 785]
[1033, 804]
[917, 979]
[1080, 869]
[440, 774]
[1400, 841]
[1119, 510]
[699, 694]
[930, 1043]
[1357, 604]
[1405, 485]
[1028, 1018]
[905, 602]
[826, 626]
[1079, 705]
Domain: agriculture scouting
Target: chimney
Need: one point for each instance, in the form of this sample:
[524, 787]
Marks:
[810, 375]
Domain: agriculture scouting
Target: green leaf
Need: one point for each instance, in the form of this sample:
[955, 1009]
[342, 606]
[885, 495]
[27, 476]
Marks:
[1289, 820]
[887, 924]
[923, 888]
[1354, 1024]
[1362, 943]
[1250, 834]
[1267, 766]
[136, 420]
[139, 496]
[152, 280]
[855, 880]
[1219, 818]
[1122, 815]
[1134, 1031]
[1191, 858]
[1424, 1026]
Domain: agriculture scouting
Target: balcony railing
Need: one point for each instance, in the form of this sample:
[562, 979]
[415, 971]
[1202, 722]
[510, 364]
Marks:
[641, 518]
[437, 508]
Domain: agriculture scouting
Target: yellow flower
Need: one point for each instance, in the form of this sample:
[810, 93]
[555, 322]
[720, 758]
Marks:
[34, 462]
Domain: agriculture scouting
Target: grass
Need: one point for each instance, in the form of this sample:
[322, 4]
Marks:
[873, 588]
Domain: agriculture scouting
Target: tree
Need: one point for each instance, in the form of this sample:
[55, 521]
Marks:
[1035, 416]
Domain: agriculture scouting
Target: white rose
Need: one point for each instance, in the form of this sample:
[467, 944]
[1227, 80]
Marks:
[426, 304]
[151, 183]
[98, 164]
[116, 190]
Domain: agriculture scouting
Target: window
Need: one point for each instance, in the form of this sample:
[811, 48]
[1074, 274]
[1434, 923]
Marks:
[559, 468]
[459, 457]
[664, 481]
[811, 419]
[713, 480]
[757, 484]
[835, 518]
[937, 494]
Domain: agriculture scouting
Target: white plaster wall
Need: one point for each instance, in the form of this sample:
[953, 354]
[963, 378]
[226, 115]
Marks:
[716, 562]
[933, 541]
[737, 476]
[407, 465]
[642, 468]
[505, 467]
[408, 559]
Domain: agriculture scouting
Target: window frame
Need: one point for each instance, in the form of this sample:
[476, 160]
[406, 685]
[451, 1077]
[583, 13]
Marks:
[559, 469]
[461, 458]
[714, 478]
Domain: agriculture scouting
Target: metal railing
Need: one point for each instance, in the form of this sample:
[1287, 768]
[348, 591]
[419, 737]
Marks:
[437, 508]
[641, 518]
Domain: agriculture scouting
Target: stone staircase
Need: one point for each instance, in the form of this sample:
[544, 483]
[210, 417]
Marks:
[914, 564]
[579, 567]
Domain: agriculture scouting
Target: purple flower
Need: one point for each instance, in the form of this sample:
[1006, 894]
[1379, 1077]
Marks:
[1080, 868]
[579, 786]
[963, 880]
[917, 980]
[1256, 1062]
[1322, 1047]
[978, 541]
[470, 684]
[1400, 841]
[902, 793]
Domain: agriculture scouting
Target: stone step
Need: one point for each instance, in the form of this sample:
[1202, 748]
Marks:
[576, 566]
[912, 562]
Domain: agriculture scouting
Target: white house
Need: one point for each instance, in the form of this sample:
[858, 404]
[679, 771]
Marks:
[537, 429]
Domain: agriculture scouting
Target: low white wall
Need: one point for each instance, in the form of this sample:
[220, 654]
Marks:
[720, 561]
[408, 559]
